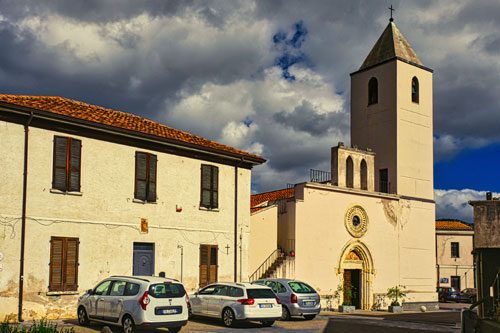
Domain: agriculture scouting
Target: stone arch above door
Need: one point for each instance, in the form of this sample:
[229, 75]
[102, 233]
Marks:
[356, 255]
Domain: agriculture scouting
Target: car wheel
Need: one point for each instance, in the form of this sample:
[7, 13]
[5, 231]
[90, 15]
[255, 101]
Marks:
[128, 324]
[309, 317]
[83, 319]
[267, 323]
[285, 313]
[174, 329]
[228, 317]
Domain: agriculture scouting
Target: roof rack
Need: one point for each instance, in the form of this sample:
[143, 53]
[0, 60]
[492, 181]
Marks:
[129, 277]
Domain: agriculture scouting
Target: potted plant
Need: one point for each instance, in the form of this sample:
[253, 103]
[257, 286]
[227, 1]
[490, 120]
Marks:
[348, 292]
[394, 294]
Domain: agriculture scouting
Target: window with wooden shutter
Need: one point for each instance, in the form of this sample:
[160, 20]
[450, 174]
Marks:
[63, 266]
[209, 186]
[145, 177]
[67, 164]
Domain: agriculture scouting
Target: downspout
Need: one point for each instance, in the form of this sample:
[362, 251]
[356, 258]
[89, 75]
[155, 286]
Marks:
[236, 220]
[23, 219]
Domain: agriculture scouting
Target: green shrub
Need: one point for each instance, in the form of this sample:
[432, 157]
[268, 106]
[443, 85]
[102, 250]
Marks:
[42, 326]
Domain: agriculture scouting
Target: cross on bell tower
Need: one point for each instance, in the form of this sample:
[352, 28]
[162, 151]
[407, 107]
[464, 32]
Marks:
[392, 10]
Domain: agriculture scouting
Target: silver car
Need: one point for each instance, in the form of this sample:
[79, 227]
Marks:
[130, 301]
[297, 298]
[233, 302]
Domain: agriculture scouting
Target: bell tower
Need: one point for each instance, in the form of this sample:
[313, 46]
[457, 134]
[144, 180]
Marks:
[391, 114]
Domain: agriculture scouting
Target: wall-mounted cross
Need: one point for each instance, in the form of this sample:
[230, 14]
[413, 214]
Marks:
[392, 10]
[227, 249]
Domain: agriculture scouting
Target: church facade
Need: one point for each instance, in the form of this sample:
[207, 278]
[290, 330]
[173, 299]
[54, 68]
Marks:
[369, 223]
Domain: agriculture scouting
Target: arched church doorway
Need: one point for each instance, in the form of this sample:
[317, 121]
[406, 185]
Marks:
[356, 271]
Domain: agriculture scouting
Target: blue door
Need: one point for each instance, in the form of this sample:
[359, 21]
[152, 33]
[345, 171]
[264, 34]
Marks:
[144, 259]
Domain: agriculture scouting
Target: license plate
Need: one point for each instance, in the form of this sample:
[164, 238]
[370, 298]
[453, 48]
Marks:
[265, 305]
[309, 303]
[170, 311]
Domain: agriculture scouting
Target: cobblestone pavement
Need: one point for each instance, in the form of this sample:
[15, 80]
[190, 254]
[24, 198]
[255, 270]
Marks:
[328, 322]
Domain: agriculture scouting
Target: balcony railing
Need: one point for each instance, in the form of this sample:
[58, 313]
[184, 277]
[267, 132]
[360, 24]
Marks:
[319, 176]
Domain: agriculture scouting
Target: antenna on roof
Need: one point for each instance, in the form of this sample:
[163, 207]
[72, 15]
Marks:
[392, 10]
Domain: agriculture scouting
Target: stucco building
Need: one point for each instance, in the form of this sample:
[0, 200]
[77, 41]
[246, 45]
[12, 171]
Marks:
[87, 192]
[454, 259]
[369, 221]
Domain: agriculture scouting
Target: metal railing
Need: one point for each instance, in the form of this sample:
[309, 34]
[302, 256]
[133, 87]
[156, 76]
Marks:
[319, 176]
[266, 265]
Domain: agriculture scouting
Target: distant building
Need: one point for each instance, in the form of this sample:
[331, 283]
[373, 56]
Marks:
[454, 259]
[111, 193]
[487, 259]
[369, 221]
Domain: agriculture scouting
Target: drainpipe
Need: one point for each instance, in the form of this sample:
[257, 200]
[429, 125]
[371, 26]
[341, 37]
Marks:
[236, 220]
[23, 219]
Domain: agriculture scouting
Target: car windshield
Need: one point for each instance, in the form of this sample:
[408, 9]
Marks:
[301, 287]
[166, 290]
[452, 290]
[260, 293]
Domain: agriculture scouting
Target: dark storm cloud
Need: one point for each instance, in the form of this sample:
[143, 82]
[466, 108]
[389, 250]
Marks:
[305, 119]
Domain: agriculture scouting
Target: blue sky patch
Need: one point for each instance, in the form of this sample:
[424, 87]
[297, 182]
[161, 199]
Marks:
[289, 46]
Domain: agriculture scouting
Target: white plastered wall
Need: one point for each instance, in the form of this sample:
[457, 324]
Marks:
[106, 219]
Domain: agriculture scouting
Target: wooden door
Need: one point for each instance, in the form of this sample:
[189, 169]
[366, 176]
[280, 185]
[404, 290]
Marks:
[208, 264]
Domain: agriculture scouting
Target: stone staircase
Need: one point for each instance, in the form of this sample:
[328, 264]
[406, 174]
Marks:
[274, 266]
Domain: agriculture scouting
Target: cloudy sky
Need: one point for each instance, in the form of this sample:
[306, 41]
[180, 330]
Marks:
[271, 77]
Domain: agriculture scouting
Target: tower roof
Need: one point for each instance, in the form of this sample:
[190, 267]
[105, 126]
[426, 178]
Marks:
[391, 44]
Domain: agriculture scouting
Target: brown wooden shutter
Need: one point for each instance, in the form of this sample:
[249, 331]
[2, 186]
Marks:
[140, 176]
[213, 270]
[71, 264]
[56, 264]
[205, 186]
[215, 187]
[152, 178]
[60, 163]
[75, 165]
[204, 261]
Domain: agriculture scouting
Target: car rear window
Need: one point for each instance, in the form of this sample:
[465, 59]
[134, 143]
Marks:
[301, 287]
[166, 290]
[260, 293]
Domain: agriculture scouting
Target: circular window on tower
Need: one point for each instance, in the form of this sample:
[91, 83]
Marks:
[356, 221]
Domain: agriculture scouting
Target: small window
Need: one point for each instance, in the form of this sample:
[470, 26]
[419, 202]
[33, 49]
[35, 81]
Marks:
[63, 265]
[455, 250]
[145, 177]
[364, 175]
[209, 186]
[66, 164]
[383, 181]
[372, 91]
[414, 90]
[349, 175]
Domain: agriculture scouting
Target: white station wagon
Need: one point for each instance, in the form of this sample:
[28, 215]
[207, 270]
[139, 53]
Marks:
[130, 301]
[233, 302]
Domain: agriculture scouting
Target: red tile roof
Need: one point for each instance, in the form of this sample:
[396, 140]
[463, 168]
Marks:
[118, 119]
[453, 225]
[260, 198]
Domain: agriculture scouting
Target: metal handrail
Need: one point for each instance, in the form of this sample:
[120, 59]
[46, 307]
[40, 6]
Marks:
[319, 176]
[265, 265]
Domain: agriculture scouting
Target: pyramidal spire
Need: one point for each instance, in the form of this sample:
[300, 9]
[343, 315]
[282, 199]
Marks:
[391, 44]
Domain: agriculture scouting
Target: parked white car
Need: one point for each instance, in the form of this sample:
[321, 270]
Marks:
[136, 301]
[233, 302]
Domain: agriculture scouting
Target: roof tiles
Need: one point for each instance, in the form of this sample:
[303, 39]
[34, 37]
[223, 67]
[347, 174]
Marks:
[453, 225]
[117, 119]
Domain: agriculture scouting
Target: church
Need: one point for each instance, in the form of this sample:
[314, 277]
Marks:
[369, 222]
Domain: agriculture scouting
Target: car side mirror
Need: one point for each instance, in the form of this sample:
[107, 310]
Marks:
[196, 293]
[90, 291]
